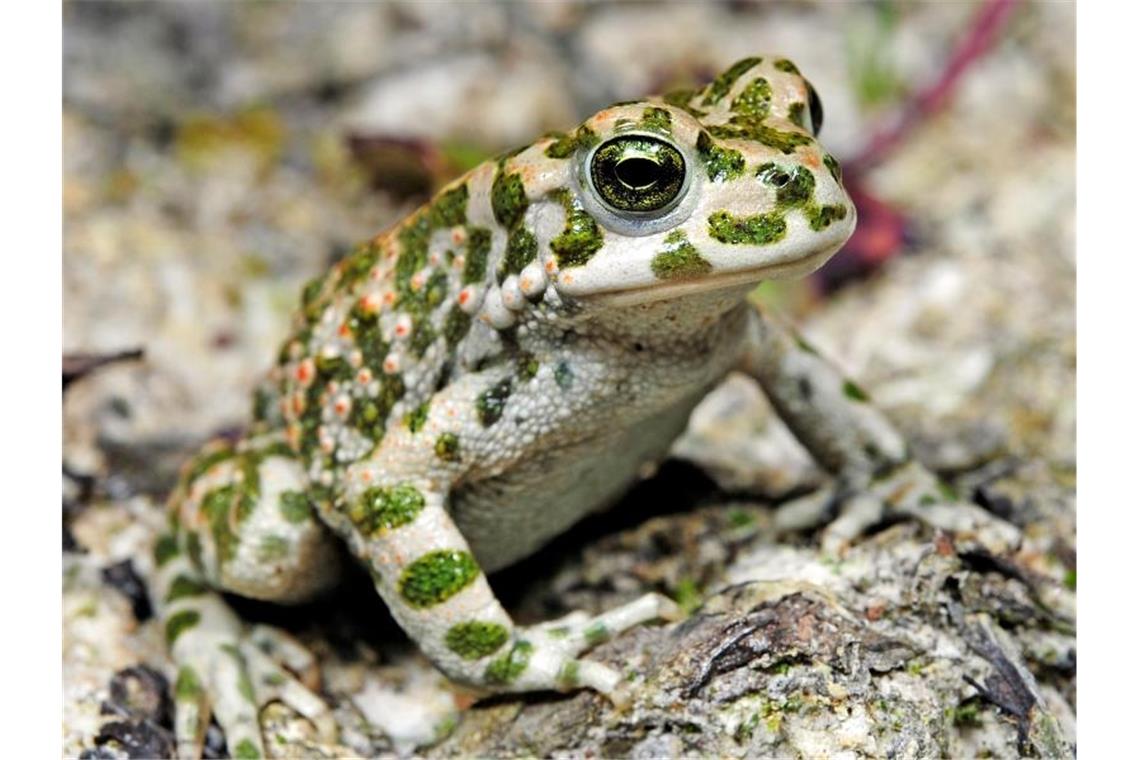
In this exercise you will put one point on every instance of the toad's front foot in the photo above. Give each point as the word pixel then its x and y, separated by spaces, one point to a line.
pixel 908 491
pixel 233 673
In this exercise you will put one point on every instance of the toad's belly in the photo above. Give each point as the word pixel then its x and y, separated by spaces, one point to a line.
pixel 513 515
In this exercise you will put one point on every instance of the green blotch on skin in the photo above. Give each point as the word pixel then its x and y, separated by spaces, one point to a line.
pixel 475 260
pixel 720 86
pixel 564 376
pixel 1070 580
pixel 794 189
pixel 783 64
pixel 796 114
pixel 180 622
pixel 245 686
pixel 447 447
pixel 294 506
pixel 739 128
pixel 833 167
pixel 681 99
pixel 583 137
pixel 380 509
pixel 558 632
pixel 720 163
pixel 437 576
pixel 423 334
pixel 449 208
pixel 522 248
pixel 354 269
pixel 679 260
pixel 246 750
pixel 187 687
pixel 273 548
pixel 204 463
pixel 194 549
pixel 657 120
pixel 854 392
pixel 413 239
pixel 455 326
pixel 490 403
pixel 804 345
pixel 527 365
pixel 165 549
pixel 418 416
pixel 216 506
pixel 508 198
pixel 761 229
pixel 510 666
pixel 820 217
pixel 568 674
pixel 754 100
pixel 580 239
pixel 183 586
pixel 596 634
pixel 475 639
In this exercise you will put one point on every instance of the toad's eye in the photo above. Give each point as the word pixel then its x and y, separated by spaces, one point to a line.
pixel 815 107
pixel 637 173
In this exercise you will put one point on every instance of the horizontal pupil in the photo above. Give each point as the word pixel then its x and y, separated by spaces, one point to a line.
pixel 638 173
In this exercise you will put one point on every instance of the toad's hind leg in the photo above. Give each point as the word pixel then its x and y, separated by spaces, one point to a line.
pixel 241 522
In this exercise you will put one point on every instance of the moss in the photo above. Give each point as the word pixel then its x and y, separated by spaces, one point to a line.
pixel 522 248
pixel 273 548
pixel 418 416
pixel 449 208
pixel 475 639
pixel 760 229
pixel 179 623
pixel 679 260
pixel 657 120
pixel 584 138
pixel 165 549
pixel 380 509
pixel 820 217
pixel 455 326
pixel 687 595
pixel 719 87
pixel 437 576
pixel 510 666
pixel 720 163
pixel 580 239
pixel 754 100
pixel 294 506
pixel 833 167
pixel 739 128
pixel 475 260
pixel 187 687
pixel 447 447
pixel 783 64
pixel 184 586
pixel 246 750
pixel 490 403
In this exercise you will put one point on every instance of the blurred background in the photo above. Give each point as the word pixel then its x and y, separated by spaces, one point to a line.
pixel 218 155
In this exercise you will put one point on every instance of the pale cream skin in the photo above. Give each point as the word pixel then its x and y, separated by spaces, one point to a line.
pixel 502 363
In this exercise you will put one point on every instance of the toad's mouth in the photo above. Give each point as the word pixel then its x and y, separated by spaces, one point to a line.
pixel 663 290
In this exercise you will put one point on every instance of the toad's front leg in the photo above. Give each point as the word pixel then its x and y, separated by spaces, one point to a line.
pixel 393 516
pixel 876 477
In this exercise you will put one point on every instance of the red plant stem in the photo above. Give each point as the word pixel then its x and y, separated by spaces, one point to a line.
pixel 987 23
